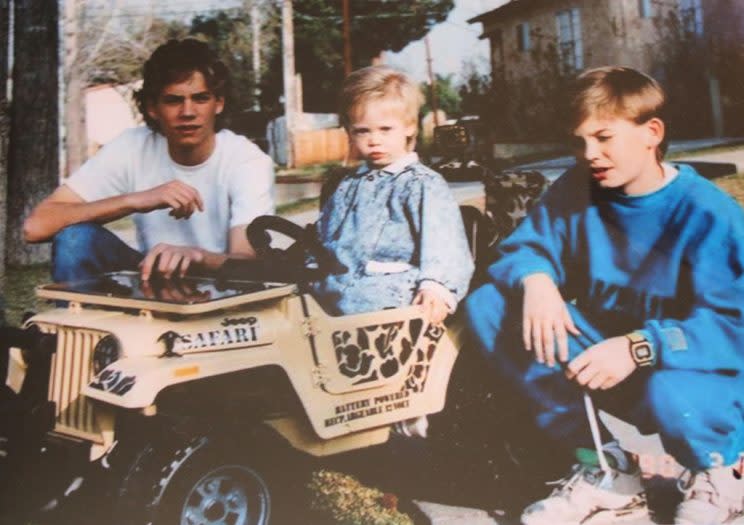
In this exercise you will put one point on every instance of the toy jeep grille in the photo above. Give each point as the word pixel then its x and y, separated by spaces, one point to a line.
pixel 71 370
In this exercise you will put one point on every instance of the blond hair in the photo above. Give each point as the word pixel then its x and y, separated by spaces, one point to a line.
pixel 380 83
pixel 617 92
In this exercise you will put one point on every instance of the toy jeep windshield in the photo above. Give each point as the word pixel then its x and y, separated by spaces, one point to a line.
pixel 161 382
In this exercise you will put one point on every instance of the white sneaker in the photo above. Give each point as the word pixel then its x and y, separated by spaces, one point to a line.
pixel 712 497
pixel 583 498
pixel 415 427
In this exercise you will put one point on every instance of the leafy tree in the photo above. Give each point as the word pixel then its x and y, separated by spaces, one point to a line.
pixel 116 55
pixel 376 26
pixel 113 52
pixel 520 108
pixel 448 96
pixel 231 36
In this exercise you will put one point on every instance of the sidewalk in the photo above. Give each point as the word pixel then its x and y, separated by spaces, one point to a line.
pixel 553 168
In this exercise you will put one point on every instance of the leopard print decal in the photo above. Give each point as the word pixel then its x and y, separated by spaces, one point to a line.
pixel 419 371
pixel 509 197
pixel 379 351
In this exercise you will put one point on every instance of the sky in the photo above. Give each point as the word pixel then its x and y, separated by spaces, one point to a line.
pixel 453 43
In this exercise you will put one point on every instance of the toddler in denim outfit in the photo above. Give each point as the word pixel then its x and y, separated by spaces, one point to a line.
pixel 394 222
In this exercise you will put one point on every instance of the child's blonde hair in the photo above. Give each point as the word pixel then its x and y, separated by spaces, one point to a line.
pixel 618 92
pixel 380 83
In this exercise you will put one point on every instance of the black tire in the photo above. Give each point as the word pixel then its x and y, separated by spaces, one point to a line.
pixel 182 480
pixel 209 488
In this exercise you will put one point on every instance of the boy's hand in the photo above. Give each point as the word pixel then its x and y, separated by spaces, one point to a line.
pixel 182 199
pixel 434 306
pixel 603 365
pixel 168 260
pixel 545 319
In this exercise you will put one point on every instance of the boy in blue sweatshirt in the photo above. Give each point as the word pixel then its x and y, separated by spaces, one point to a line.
pixel 626 281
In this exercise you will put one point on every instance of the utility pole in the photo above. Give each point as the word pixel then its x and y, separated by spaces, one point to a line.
pixel 290 83
pixel 347 38
pixel 256 37
pixel 432 83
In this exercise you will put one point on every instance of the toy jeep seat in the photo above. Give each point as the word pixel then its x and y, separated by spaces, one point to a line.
pixel 509 197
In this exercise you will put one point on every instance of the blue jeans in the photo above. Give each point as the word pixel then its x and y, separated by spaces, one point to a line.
pixel 82 251
pixel 698 415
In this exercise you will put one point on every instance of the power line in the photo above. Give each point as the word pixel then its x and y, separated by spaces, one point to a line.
pixel 160 14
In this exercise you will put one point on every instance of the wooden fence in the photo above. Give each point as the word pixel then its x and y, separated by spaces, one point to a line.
pixel 320 146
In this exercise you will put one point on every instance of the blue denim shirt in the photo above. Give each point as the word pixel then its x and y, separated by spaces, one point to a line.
pixel 394 228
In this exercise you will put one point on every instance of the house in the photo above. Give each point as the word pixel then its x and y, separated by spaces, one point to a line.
pixel 109 110
pixel 548 39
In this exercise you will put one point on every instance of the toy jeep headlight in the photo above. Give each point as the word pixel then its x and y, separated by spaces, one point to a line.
pixel 107 351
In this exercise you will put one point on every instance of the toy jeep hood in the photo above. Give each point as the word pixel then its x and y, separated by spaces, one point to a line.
pixel 189 295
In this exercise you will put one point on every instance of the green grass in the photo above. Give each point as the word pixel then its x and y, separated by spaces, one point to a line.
pixel 305 174
pixel 17 287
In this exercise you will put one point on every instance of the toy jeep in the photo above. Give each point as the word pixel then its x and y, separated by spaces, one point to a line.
pixel 460 151
pixel 163 382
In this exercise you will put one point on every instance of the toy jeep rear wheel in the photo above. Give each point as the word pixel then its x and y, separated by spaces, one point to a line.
pixel 176 480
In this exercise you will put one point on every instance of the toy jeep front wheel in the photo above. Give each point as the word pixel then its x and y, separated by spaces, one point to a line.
pixel 199 481
pixel 216 492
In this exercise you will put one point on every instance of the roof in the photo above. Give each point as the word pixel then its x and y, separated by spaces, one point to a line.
pixel 508 9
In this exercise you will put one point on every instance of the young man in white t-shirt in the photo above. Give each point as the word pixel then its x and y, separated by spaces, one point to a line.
pixel 191 189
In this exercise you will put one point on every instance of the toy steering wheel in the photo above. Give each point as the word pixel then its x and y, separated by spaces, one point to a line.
pixel 283 265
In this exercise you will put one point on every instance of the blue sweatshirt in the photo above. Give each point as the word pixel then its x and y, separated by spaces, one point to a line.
pixel 669 263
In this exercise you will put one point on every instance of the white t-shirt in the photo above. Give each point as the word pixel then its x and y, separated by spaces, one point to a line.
pixel 236 184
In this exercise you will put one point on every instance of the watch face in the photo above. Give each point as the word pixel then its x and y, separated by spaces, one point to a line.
pixel 642 353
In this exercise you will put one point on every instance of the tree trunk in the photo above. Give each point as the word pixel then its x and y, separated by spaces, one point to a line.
pixel 76 138
pixel 34 131
pixel 4 131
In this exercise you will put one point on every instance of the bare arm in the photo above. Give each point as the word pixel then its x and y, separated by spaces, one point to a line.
pixel 65 207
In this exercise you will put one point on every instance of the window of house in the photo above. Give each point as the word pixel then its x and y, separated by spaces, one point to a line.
pixel 497 51
pixel 523 36
pixel 570 46
pixel 691 12
pixel 644 8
